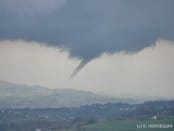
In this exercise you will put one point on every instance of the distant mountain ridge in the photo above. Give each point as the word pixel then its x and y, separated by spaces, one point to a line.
pixel 23 96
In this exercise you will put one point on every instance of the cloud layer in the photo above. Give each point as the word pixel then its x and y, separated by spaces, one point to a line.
pixel 31 7
pixel 148 73
pixel 88 28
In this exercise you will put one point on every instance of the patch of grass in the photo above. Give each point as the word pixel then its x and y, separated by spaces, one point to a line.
pixel 128 125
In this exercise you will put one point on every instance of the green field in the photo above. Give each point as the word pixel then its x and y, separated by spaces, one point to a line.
pixel 130 125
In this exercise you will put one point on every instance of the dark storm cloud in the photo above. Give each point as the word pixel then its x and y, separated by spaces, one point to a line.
pixel 87 28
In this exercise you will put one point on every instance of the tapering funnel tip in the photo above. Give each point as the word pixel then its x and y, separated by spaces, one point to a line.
pixel 79 67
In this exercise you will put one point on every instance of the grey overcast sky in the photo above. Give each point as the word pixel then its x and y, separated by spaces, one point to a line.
pixel 118 40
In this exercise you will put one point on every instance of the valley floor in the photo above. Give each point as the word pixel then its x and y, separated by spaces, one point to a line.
pixel 131 125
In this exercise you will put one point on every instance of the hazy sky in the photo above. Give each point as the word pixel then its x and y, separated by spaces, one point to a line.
pixel 123 46
pixel 148 72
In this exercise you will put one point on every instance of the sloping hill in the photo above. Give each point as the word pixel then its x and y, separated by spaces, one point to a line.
pixel 22 96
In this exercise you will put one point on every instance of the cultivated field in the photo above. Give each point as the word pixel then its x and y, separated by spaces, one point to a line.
pixel 129 125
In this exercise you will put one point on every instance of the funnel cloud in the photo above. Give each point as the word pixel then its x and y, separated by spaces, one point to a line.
pixel 89 28
pixel 79 67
